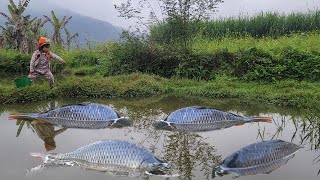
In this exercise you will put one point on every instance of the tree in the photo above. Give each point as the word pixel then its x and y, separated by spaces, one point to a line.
pixel 20 32
pixel 3 41
pixel 57 27
pixel 6 37
pixel 17 23
pixel 70 38
pixel 179 14
pixel 34 31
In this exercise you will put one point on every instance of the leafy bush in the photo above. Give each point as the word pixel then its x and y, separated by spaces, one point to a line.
pixel 138 55
pixel 13 62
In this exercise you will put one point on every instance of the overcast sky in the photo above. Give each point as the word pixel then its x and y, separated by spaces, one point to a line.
pixel 104 9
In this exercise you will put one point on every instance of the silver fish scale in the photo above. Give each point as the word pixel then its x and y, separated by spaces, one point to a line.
pixel 200 119
pixel 195 115
pixel 262 152
pixel 110 156
pixel 260 157
pixel 86 116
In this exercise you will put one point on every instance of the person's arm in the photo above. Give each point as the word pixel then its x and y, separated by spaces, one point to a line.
pixel 56 57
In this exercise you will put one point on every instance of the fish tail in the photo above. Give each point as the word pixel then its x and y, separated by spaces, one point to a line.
pixel 22 116
pixel 36 170
pixel 261 119
pixel 47 162
pixel 39 156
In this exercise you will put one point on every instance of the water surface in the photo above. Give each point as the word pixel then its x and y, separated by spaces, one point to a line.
pixel 193 155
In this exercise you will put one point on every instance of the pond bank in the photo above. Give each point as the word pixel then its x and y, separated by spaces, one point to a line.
pixel 299 95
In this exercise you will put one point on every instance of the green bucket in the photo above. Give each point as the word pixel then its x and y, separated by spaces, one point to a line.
pixel 22 82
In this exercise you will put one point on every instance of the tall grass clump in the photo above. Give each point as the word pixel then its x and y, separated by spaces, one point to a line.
pixel 270 24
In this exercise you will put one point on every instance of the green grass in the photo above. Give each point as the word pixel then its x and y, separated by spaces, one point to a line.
pixel 294 57
pixel 265 24
pixel 306 43
pixel 299 95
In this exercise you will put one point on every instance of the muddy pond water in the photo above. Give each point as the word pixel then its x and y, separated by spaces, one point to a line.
pixel 193 155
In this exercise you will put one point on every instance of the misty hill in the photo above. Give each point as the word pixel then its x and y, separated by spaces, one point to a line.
pixel 87 27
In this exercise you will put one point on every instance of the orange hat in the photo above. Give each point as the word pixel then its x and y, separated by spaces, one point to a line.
pixel 43 41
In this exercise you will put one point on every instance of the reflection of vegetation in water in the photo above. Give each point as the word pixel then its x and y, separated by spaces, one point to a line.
pixel 189 151
pixel 310 133
pixel 186 152
pixel 307 130
pixel 145 111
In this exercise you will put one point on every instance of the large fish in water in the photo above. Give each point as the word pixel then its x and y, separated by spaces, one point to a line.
pixel 118 158
pixel 87 115
pixel 197 119
pixel 259 158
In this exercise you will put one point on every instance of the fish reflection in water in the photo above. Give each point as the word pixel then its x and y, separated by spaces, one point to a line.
pixel 196 119
pixel 259 158
pixel 86 116
pixel 118 158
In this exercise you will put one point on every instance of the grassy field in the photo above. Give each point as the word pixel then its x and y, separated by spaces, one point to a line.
pixel 294 57
pixel 265 24
pixel 305 42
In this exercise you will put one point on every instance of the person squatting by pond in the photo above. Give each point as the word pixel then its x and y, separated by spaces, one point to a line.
pixel 40 61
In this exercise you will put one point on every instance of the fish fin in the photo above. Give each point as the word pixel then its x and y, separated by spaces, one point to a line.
pixel 39 156
pixel 134 174
pixel 237 115
pixel 236 176
pixel 79 104
pixel 172 125
pixel 270 171
pixel 241 115
pixel 118 115
pixel 161 174
pixel 240 124
pixel 120 173
pixel 121 122
pixel 36 170
pixel 262 119
pixel 41 168
pixel 198 107
pixel 289 159
pixel 67 105
pixel 21 116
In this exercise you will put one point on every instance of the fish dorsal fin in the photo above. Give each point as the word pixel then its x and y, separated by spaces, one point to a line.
pixel 67 105
pixel 217 109
pixel 237 115
pixel 198 107
pixel 80 104
pixel 241 115
pixel 201 107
